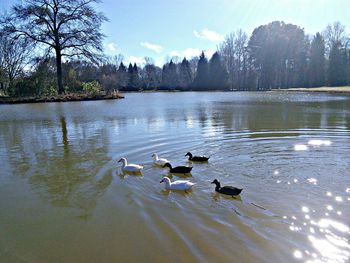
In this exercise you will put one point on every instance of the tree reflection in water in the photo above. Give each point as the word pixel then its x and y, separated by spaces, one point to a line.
pixel 64 173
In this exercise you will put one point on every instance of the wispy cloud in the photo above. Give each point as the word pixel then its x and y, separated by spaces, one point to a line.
pixel 208 35
pixel 156 48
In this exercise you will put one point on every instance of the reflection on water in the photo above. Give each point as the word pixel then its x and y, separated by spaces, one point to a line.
pixel 66 199
pixel 300 147
pixel 319 142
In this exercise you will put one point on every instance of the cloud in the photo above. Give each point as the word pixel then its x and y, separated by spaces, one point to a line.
pixel 159 62
pixel 210 52
pixel 192 52
pixel 156 48
pixel 208 35
pixel 111 48
pixel 140 61
pixel 175 53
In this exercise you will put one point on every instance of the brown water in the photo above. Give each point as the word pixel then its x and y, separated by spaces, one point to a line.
pixel 63 199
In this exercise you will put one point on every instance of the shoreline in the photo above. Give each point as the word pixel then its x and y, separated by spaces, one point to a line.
pixel 90 97
pixel 60 98
pixel 343 89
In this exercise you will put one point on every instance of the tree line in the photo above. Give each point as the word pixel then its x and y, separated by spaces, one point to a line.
pixel 50 47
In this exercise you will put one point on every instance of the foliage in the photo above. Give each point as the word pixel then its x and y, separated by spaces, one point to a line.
pixel 93 88
pixel 317 61
pixel 14 57
pixel 201 79
pixel 67 27
pixel 337 66
pixel 217 74
pixel 185 74
pixel 276 55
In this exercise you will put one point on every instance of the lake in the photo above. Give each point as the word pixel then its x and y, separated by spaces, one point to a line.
pixel 64 199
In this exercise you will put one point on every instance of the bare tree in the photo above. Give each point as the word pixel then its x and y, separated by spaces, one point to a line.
pixel 333 34
pixel 241 58
pixel 117 59
pixel 227 52
pixel 14 57
pixel 67 27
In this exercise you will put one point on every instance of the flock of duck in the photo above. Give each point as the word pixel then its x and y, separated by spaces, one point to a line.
pixel 179 184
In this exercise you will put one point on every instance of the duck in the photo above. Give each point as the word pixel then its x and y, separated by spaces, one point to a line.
pixel 130 167
pixel 177 185
pixel 178 169
pixel 196 158
pixel 159 161
pixel 226 190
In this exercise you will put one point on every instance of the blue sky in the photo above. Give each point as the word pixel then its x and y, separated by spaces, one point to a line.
pixel 163 28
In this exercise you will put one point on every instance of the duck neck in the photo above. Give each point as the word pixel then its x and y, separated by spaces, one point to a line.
pixel 124 162
pixel 167 182
pixel 155 157
pixel 190 156
pixel 217 187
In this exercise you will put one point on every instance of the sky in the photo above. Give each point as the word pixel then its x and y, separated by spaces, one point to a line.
pixel 162 29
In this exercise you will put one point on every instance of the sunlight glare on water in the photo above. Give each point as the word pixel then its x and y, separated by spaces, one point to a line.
pixel 64 199
pixel 319 142
pixel 300 147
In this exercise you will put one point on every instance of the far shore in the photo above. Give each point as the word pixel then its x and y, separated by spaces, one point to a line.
pixel 60 98
pixel 345 89
pixel 117 95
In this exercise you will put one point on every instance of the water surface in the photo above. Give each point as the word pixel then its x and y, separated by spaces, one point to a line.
pixel 63 199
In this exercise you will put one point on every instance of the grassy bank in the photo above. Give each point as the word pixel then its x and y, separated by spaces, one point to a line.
pixel 345 89
pixel 60 98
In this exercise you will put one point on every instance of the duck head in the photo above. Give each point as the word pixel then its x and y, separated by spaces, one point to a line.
pixel 189 154
pixel 124 161
pixel 216 182
pixel 167 165
pixel 166 180
pixel 155 156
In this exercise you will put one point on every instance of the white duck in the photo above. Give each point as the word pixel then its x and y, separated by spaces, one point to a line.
pixel 159 161
pixel 130 167
pixel 177 185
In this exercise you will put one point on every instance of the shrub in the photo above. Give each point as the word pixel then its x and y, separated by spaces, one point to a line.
pixel 92 87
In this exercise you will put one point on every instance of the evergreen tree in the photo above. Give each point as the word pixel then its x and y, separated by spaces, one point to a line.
pixel 130 85
pixel 201 79
pixel 185 75
pixel 122 76
pixel 301 64
pixel 169 76
pixel 276 50
pixel 317 61
pixel 217 74
pixel 337 66
pixel 136 78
